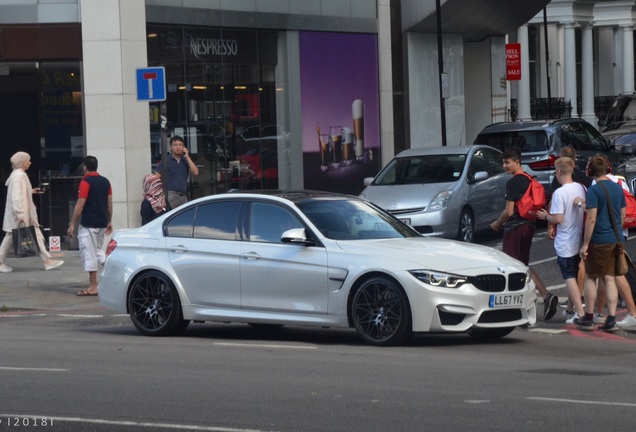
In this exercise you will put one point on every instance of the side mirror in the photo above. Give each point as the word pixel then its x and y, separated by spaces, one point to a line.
pixel 602 122
pixel 367 181
pixel 480 176
pixel 296 236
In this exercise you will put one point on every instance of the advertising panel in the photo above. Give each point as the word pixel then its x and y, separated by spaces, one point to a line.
pixel 340 110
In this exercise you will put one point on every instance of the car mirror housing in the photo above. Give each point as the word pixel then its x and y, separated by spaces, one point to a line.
pixel 367 181
pixel 296 236
pixel 480 176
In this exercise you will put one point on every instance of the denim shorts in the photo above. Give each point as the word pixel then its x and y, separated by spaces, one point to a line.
pixel 569 266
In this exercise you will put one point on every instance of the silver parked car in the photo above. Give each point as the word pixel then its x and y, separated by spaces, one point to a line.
pixel 447 192
pixel 309 258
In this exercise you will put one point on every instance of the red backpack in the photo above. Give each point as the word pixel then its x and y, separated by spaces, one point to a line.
pixel 533 200
pixel 630 209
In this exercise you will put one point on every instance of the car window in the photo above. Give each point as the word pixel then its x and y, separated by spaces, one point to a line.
pixel 217 220
pixel 181 224
pixel 527 141
pixel 433 168
pixel 583 137
pixel 268 222
pixel 495 162
pixel 353 220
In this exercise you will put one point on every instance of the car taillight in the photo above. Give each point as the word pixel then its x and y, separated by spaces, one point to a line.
pixel 111 247
pixel 543 165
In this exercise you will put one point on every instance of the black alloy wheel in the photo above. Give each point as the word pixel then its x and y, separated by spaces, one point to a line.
pixel 154 305
pixel 380 312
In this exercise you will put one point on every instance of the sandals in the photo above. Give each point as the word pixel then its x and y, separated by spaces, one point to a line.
pixel 86 293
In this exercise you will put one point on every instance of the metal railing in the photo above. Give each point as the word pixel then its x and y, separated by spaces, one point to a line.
pixel 541 109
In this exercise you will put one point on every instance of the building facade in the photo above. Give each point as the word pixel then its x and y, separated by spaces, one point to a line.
pixel 268 94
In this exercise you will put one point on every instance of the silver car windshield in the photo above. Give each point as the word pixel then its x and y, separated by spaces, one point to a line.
pixel 343 219
pixel 422 169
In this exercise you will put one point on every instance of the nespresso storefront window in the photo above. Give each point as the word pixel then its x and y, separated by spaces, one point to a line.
pixel 221 97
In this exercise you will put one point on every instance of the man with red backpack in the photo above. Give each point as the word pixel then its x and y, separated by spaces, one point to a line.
pixel 518 230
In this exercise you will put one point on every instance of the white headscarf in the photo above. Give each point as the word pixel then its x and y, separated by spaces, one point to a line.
pixel 19 159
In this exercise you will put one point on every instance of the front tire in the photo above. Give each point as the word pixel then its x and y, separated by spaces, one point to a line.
pixel 380 312
pixel 154 305
pixel 466 230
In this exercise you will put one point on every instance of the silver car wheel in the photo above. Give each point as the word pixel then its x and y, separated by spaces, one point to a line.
pixel 466 226
pixel 154 306
pixel 380 312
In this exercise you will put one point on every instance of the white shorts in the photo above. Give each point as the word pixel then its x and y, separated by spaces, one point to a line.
pixel 91 242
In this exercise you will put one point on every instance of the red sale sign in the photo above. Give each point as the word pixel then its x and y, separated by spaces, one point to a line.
pixel 513 62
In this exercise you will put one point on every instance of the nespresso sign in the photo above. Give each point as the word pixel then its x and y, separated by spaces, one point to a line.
pixel 167 43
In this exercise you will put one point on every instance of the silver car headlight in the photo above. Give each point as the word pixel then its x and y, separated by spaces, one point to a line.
pixel 528 278
pixel 440 202
pixel 439 279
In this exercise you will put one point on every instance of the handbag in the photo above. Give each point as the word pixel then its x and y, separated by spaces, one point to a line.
pixel 619 251
pixel 25 241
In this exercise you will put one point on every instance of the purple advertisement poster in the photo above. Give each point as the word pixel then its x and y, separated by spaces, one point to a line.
pixel 340 114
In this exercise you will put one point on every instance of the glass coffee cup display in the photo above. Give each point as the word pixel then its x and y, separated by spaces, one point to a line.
pixel 335 145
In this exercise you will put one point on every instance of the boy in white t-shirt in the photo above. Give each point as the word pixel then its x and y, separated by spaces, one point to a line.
pixel 568 217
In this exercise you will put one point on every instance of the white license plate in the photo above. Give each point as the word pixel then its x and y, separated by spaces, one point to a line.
pixel 406 221
pixel 505 300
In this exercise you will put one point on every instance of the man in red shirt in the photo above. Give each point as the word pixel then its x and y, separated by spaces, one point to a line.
pixel 95 207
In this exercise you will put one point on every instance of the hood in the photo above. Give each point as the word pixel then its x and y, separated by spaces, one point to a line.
pixel 405 196
pixel 432 253
pixel 620 128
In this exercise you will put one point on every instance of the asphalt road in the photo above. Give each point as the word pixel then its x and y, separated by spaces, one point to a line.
pixel 90 370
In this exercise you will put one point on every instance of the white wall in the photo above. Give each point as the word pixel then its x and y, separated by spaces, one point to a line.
pixel 424 103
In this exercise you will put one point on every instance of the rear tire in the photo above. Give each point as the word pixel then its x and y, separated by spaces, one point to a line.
pixel 154 305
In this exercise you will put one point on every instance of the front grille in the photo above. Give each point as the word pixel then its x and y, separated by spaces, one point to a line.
pixel 516 281
pixel 500 316
pixel 448 318
pixel 406 211
pixel 489 283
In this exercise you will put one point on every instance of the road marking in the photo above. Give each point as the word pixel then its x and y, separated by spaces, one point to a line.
pixel 132 423
pixel 80 316
pixel 547 330
pixel 245 345
pixel 20 314
pixel 33 369
pixel 583 402
pixel 477 401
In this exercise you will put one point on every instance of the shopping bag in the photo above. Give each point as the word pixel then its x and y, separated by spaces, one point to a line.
pixel 25 241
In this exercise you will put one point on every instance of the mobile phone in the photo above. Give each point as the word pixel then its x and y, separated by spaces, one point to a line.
pixel 43 187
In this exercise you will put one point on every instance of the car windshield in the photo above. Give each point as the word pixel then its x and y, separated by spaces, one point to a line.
pixel 527 141
pixel 342 219
pixel 438 168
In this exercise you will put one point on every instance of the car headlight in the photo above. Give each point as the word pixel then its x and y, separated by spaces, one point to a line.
pixel 528 278
pixel 439 279
pixel 440 202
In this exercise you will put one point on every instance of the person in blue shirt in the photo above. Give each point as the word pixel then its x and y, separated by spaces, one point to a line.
pixel 179 167
pixel 599 249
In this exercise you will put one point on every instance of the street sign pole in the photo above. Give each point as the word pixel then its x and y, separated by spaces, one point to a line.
pixel 163 116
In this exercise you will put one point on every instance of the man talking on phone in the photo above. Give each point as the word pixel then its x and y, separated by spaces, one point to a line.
pixel 178 168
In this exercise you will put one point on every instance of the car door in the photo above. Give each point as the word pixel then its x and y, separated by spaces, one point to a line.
pixel 278 276
pixel 487 196
pixel 202 243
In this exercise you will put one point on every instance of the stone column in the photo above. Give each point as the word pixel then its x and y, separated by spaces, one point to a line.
pixel 588 75
pixel 117 125
pixel 628 57
pixel 523 89
pixel 569 68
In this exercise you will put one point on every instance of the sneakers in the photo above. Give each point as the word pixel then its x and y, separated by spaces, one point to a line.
pixel 628 322
pixel 51 264
pixel 550 306
pixel 583 324
pixel 5 268
pixel 609 327
pixel 598 318
pixel 571 316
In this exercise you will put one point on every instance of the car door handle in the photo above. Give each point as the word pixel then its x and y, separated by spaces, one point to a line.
pixel 178 249
pixel 251 256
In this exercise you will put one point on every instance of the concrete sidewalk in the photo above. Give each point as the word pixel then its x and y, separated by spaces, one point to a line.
pixel 29 287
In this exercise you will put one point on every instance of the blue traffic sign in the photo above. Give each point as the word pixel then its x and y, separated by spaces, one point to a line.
pixel 151 84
